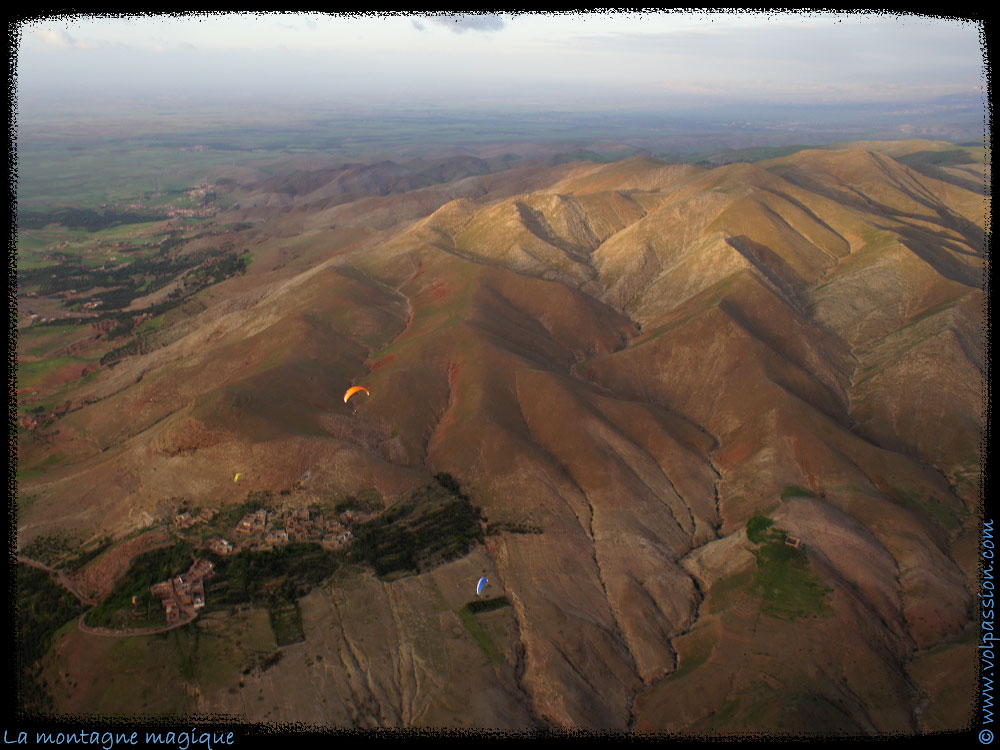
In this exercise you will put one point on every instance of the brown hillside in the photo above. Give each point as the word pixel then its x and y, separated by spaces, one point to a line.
pixel 621 364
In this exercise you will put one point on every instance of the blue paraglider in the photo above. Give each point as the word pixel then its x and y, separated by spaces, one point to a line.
pixel 481 585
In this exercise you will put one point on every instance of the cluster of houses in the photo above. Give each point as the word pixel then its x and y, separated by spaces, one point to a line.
pixel 254 522
pixel 184 594
pixel 221 546
pixel 186 520
pixel 331 533
pixel 299 525
pixel 31 422
pixel 103 325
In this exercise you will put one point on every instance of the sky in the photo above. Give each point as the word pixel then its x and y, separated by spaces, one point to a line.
pixel 572 60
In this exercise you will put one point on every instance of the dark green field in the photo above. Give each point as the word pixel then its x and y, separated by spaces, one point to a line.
pixel 784 580
pixel 436 524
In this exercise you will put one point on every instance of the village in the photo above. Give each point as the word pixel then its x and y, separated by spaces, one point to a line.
pixel 184 595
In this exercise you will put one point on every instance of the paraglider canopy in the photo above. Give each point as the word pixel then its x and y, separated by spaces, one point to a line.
pixel 238 475
pixel 354 389
pixel 481 585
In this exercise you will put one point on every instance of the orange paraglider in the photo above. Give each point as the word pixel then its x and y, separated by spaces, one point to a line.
pixel 354 389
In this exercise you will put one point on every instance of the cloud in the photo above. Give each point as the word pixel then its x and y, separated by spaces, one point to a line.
pixel 479 22
pixel 55 38
pixel 61 39
pixel 419 26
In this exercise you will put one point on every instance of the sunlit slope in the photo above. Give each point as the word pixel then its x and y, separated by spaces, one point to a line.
pixel 864 247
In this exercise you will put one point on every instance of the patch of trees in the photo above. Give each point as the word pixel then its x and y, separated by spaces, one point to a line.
pixel 138 278
pixel 86 219
pixel 43 606
pixel 146 569
pixel 163 270
pixel 138 345
pixel 512 527
pixel 366 501
pixel 436 524
pixel 270 577
pixel 71 274
pixel 212 273
pixel 171 241
pixel 48 549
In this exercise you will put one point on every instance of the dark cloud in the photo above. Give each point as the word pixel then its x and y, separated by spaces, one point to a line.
pixel 478 22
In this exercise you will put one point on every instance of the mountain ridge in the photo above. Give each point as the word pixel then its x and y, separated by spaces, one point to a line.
pixel 636 357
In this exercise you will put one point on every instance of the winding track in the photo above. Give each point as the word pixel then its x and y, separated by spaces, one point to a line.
pixel 107 632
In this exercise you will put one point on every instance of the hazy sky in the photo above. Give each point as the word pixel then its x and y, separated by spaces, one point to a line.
pixel 562 60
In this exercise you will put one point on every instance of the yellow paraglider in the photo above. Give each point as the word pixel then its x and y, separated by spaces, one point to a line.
pixel 238 475
pixel 354 389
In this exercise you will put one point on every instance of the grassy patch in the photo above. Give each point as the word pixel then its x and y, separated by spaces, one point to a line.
pixel 227 518
pixel 185 641
pixel 788 586
pixel 142 675
pixel 793 490
pixel 936 508
pixel 479 635
pixel 721 593
pixel 43 607
pixel 697 648
pixel 783 578
pixel 286 621
pixel 38 341
pixel 31 373
pixel 487 605
pixel 721 718
pixel 80 218
pixel 757 528
pixel 153 324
